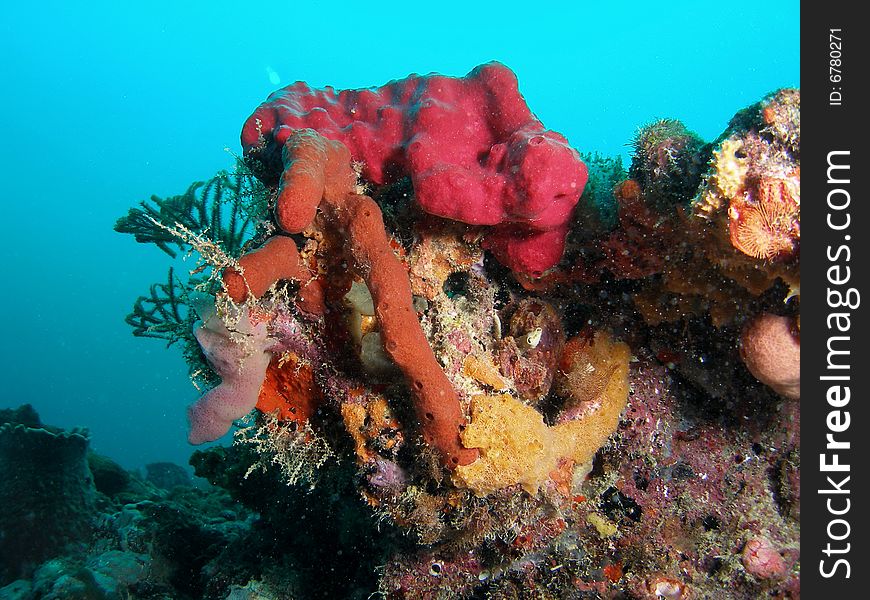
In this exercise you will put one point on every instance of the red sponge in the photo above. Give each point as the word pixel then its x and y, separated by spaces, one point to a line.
pixel 473 150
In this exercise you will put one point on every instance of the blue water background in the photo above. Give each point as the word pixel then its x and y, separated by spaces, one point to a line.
pixel 106 103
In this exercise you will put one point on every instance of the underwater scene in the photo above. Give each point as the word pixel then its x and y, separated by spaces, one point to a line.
pixel 401 302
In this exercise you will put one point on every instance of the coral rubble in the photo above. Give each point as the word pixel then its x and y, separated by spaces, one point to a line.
pixel 492 382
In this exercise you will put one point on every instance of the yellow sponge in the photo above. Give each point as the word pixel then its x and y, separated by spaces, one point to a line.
pixel 515 444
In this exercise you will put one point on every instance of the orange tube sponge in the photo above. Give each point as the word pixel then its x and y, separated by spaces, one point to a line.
pixel 770 347
pixel 302 183
pixel 316 167
pixel 435 400
pixel 277 259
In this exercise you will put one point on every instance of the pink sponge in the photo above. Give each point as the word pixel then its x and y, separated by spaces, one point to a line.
pixel 473 149
pixel 240 357
pixel 770 346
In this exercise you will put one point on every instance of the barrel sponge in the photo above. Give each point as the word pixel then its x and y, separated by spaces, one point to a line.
pixel 517 447
pixel 47 494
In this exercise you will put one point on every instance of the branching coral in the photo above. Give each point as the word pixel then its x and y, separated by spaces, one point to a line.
pixel 163 313
pixel 227 207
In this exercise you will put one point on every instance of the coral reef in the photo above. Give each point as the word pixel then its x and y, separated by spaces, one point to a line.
pixel 453 366
pixel 165 475
pixel 706 228
pixel 77 526
pixel 319 173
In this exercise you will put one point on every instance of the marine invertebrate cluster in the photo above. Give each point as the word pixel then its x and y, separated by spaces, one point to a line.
pixel 750 198
pixel 470 395
pixel 706 229
pixel 444 250
pixel 319 173
pixel 213 219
